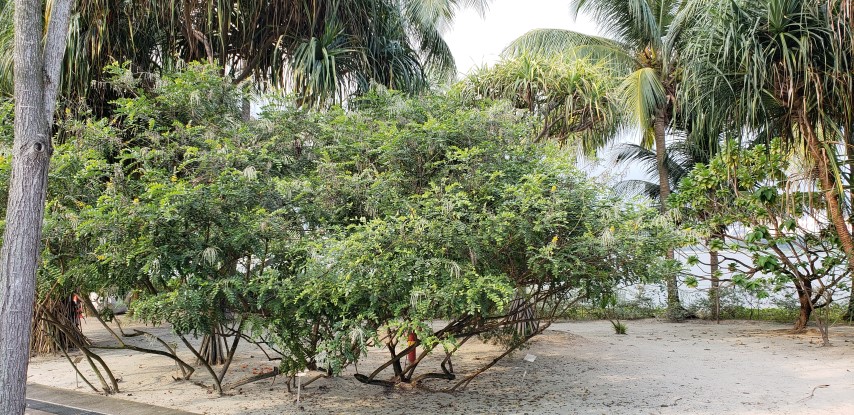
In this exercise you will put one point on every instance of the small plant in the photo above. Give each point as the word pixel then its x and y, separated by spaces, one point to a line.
pixel 619 328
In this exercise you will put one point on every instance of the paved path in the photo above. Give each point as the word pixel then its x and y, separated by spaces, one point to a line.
pixel 46 400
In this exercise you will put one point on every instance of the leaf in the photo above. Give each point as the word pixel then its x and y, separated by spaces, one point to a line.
pixel 691 281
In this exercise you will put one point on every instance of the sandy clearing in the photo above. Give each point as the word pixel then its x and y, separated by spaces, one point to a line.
pixel 581 368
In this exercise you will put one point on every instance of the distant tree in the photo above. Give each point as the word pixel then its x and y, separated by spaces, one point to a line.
pixel 681 158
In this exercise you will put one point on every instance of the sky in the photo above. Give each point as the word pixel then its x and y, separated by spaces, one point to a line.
pixel 476 40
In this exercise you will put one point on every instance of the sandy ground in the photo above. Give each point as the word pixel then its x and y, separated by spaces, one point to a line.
pixel 580 368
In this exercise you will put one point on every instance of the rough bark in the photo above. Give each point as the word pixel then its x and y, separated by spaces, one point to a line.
pixel 31 153
pixel 804 289
pixel 54 53
pixel 660 129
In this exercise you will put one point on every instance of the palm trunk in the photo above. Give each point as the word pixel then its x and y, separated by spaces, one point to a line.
pixel 660 128
pixel 35 92
pixel 829 188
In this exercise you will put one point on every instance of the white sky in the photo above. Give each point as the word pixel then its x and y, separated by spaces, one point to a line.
pixel 476 40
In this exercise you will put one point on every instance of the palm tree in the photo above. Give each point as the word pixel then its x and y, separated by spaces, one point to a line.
pixel 643 44
pixel 784 66
pixel 681 157
pixel 322 49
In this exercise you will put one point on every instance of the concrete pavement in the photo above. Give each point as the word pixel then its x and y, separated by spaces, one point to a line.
pixel 44 400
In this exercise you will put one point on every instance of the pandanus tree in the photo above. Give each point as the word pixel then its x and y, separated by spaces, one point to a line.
pixel 783 66
pixel 570 98
pixel 323 50
pixel 643 43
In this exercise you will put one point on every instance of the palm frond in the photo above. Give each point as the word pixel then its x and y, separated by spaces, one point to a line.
pixel 387 42
pixel 550 42
pixel 643 95
pixel 634 187
pixel 640 23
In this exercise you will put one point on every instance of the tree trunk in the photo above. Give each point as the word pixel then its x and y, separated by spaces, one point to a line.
pixel 246 110
pixel 660 128
pixel 849 151
pixel 31 153
pixel 804 289
pixel 714 291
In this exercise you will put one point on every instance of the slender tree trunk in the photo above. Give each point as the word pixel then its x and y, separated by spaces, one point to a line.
pixel 829 188
pixel 246 110
pixel 714 291
pixel 660 128
pixel 27 189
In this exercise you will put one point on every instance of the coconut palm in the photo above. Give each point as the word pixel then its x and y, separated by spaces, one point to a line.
pixel 643 43
pixel 785 66
pixel 681 157
pixel 323 50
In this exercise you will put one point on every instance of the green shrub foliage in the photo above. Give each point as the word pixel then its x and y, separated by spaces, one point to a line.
pixel 326 233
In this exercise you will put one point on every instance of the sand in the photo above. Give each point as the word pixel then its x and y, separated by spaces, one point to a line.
pixel 696 367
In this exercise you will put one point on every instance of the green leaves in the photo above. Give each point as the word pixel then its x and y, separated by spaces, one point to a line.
pixel 325 231
pixel 758 234
pixel 767 263
pixel 769 236
pixel 574 99
pixel 767 194
pixel 643 95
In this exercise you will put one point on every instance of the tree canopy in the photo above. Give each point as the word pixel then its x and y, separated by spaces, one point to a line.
pixel 323 234
pixel 321 50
